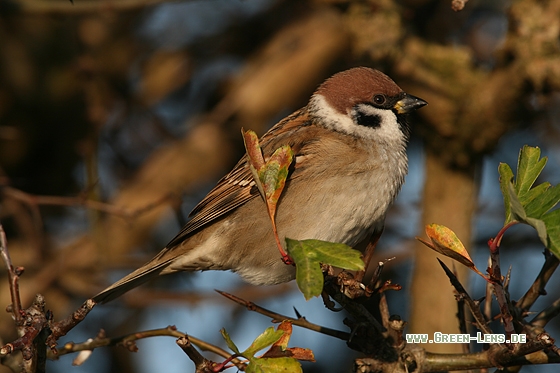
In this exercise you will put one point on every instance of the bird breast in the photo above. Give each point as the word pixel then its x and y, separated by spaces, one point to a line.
pixel 342 199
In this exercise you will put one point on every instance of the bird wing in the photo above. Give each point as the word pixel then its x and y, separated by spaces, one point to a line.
pixel 232 191
pixel 238 186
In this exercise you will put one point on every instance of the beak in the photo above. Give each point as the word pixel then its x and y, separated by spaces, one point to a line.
pixel 409 103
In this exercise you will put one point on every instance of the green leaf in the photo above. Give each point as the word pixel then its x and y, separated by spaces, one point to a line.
pixel 269 177
pixel 309 277
pixel 506 178
pixel 535 192
pixel 267 338
pixel 274 365
pixel 532 206
pixel 542 203
pixel 529 167
pixel 552 222
pixel 335 254
pixel 540 227
pixel 273 177
pixel 517 211
pixel 275 172
pixel 308 256
pixel 229 342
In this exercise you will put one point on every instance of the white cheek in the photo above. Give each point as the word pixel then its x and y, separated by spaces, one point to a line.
pixel 388 130
pixel 331 118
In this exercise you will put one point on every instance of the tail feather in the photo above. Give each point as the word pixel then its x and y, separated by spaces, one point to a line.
pixel 129 282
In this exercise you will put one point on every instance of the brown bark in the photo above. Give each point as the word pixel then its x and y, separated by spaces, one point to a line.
pixel 451 196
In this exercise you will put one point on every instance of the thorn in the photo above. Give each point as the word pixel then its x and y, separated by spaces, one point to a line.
pixel 298 315
pixel 223 293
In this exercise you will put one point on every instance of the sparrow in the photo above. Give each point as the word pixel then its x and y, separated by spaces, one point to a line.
pixel 350 162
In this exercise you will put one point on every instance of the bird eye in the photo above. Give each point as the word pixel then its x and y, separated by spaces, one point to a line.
pixel 379 99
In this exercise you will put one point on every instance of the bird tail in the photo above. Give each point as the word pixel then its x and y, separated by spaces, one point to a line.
pixel 146 272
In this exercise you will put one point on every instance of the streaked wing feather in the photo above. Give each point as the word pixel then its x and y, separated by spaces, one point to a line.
pixel 238 186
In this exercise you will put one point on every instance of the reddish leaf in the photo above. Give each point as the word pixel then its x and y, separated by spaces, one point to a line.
pixel 445 241
pixel 270 177
pixel 280 347
pixel 253 148
pixel 255 157
pixel 274 174
pixel 286 326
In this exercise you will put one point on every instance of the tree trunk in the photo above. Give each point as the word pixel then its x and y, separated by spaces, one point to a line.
pixel 449 199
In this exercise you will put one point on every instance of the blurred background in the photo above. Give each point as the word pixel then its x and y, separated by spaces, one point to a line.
pixel 116 117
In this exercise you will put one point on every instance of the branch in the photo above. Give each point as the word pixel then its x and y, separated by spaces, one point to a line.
pixel 128 341
pixel 498 355
pixel 537 289
pixel 301 321
pixel 201 364
pixel 31 324
pixel 479 360
pixel 35 200
pixel 13 277
pixel 60 328
pixel 497 281
pixel 546 315
pixel 464 296
pixel 368 254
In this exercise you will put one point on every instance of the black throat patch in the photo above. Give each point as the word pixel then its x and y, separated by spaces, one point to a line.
pixel 367 120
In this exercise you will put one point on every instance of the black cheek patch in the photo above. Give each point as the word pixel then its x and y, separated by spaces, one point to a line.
pixel 372 121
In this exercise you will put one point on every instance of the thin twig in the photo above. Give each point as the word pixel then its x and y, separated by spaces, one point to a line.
pixel 546 315
pixel 201 364
pixel 205 346
pixel 394 325
pixel 60 328
pixel 372 286
pixel 461 315
pixel 12 277
pixel 537 288
pixel 384 311
pixel 368 254
pixel 35 200
pixel 497 281
pixel 463 295
pixel 128 341
pixel 302 322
